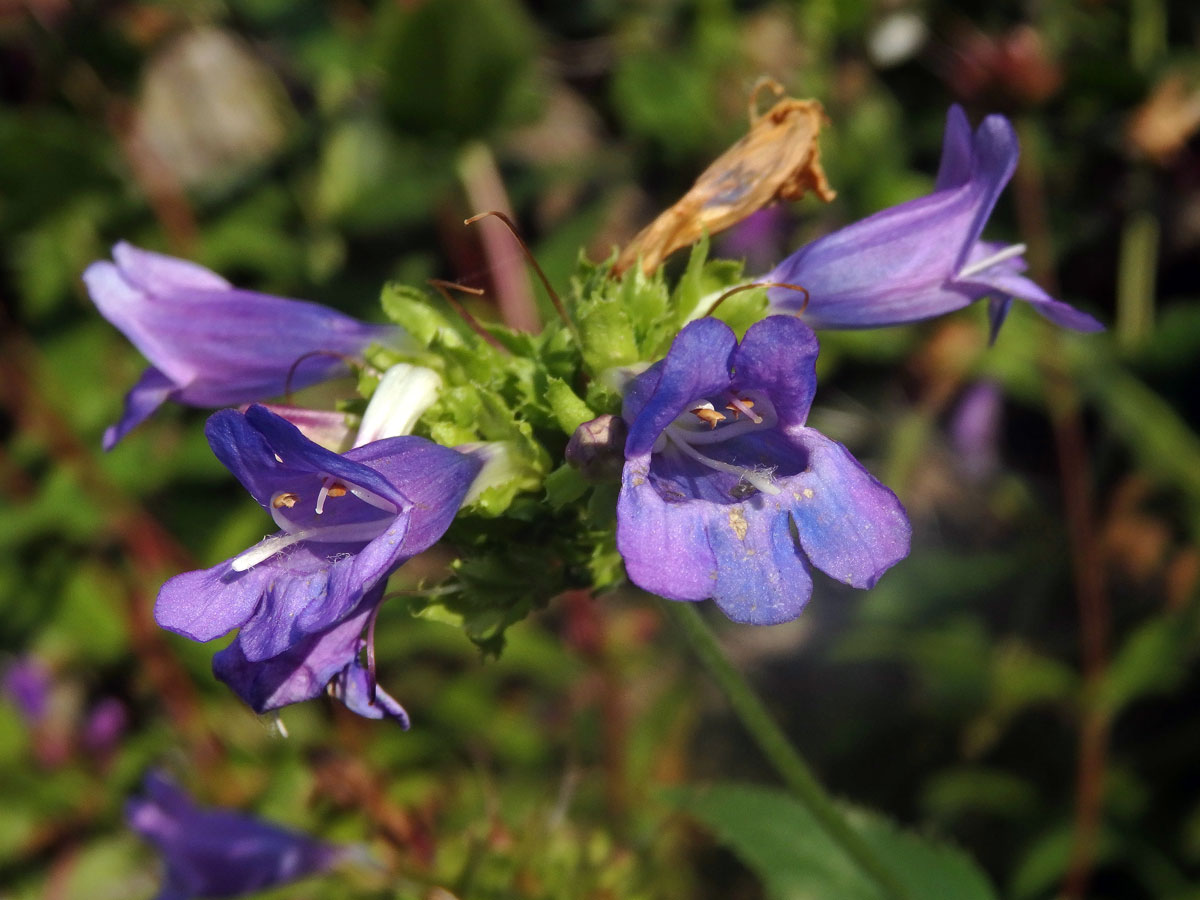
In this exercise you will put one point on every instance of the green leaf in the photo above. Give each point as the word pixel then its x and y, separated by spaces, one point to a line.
pixel 564 486
pixel 607 335
pixel 411 309
pixel 458 68
pixel 779 840
pixel 1151 660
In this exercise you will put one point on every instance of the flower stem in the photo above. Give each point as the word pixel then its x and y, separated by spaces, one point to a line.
pixel 788 763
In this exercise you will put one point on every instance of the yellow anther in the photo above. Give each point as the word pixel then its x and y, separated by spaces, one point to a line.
pixel 285 501
pixel 709 416
pixel 337 489
pixel 743 405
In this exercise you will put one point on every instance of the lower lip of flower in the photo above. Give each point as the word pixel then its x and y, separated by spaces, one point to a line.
pixel 294 532
pixel 703 423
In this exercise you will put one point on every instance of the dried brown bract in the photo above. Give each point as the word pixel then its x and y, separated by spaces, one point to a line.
pixel 778 159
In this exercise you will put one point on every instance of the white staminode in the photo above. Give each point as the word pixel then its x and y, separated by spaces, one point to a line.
pixel 294 533
pixel 403 395
pixel 688 430
pixel 998 257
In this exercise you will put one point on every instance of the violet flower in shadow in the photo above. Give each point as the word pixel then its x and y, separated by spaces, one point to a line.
pixel 217 852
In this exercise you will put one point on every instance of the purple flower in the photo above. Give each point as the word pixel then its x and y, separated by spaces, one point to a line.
pixel 302 596
pixel 104 726
pixel 27 684
pixel 975 430
pixel 326 660
pixel 218 853
pixel 210 344
pixel 924 258
pixel 725 492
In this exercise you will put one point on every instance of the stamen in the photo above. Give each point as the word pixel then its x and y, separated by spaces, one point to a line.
pixel 337 489
pixel 373 499
pixel 1007 253
pixel 294 533
pixel 759 480
pixel 743 405
pixel 351 532
pixel 372 683
pixel 709 416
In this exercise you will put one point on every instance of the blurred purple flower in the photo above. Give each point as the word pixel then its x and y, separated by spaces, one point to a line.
pixel 758 238
pixel 219 853
pixel 211 344
pixel 924 258
pixel 27 684
pixel 302 596
pixel 104 726
pixel 725 492
pixel 975 429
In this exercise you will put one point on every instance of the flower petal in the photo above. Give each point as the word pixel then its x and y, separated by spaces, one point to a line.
pixel 664 545
pixel 955 167
pixel 152 391
pixel 353 687
pixel 779 356
pixel 1010 284
pixel 220 853
pixel 850 526
pixel 299 673
pixel 129 309
pixel 207 603
pixel 697 365
pixel 157 273
pixel 221 346
pixel 761 579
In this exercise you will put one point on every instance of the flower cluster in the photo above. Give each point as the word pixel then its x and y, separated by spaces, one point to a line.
pixel 725 492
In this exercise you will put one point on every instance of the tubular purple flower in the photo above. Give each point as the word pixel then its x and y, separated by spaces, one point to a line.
pixel 211 344
pixel 220 853
pixel 924 258
pixel 727 494
pixel 302 596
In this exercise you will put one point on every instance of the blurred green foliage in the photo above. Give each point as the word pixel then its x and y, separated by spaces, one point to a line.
pixel 323 150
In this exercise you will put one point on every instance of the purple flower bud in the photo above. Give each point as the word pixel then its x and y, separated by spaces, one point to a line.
pixel 596 448
pixel 211 344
